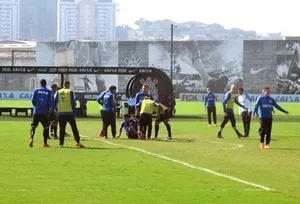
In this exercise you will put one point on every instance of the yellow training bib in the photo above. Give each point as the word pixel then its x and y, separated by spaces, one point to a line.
pixel 64 101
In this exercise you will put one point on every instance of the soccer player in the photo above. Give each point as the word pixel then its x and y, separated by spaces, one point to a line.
pixel 131 105
pixel 141 95
pixel 64 101
pixel 163 115
pixel 210 106
pixel 246 114
pixel 130 125
pixel 41 101
pixel 228 105
pixel 108 112
pixel 54 116
pixel 266 103
pixel 262 94
pixel 171 105
pixel 100 101
pixel 83 105
pixel 146 108
pixel 118 105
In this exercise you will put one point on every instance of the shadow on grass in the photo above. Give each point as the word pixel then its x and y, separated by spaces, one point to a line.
pixel 161 139
pixel 91 148
pixel 286 148
pixel 178 140
pixel 258 138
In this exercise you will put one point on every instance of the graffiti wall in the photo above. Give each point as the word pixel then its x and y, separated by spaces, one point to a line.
pixel 131 54
pixel 80 54
pixel 272 63
pixel 287 67
pixel 197 64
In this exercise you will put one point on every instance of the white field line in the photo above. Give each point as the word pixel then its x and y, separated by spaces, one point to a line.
pixel 189 165
pixel 99 190
pixel 236 146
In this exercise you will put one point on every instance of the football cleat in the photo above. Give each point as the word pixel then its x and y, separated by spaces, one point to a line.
pixel 101 135
pixel 31 143
pixel 262 146
pixel 46 146
pixel 79 145
pixel 219 135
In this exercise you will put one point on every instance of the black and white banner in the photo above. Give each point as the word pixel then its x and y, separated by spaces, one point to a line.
pixel 76 70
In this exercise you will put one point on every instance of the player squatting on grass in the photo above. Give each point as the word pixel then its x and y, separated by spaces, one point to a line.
pixel 146 109
pixel 131 124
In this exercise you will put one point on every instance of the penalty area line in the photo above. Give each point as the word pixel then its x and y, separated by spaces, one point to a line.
pixel 190 166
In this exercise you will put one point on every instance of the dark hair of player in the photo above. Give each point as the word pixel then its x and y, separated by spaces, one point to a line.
pixel 43 82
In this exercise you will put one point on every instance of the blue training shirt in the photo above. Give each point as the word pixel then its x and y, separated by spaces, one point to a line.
pixel 100 97
pixel 210 100
pixel 266 104
pixel 41 101
pixel 140 96
pixel 126 126
pixel 107 100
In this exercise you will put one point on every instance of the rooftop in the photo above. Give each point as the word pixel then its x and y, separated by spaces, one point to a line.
pixel 9 45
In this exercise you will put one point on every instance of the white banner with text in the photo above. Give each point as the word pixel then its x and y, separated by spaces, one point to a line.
pixel 190 97
pixel 15 95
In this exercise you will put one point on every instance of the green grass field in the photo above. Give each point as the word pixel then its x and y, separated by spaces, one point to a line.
pixel 183 108
pixel 112 171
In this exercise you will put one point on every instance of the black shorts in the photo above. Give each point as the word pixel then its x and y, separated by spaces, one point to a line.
pixel 266 125
pixel 108 117
pixel 162 117
pixel 41 118
pixel 53 118
pixel 229 117
pixel 145 119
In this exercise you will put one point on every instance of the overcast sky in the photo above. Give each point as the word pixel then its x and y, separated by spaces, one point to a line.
pixel 262 16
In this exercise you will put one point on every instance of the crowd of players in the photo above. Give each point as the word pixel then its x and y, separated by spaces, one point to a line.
pixel 138 121
pixel 58 107
pixel 264 105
